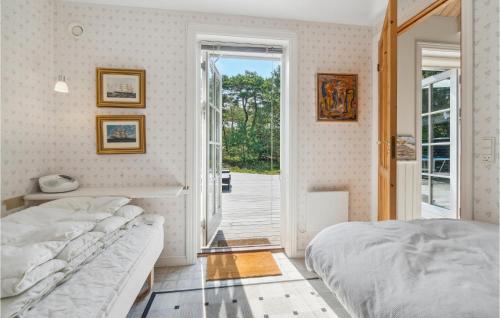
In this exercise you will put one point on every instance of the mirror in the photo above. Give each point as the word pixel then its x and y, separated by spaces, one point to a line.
pixel 428 107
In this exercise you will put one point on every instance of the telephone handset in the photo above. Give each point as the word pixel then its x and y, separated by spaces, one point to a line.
pixel 57 183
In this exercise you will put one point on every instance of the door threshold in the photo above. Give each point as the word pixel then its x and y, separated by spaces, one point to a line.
pixel 241 249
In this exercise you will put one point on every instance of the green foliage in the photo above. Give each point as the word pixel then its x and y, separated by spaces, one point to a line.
pixel 251 122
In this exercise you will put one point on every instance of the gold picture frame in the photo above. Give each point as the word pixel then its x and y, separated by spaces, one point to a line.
pixel 122 88
pixel 121 134
pixel 337 97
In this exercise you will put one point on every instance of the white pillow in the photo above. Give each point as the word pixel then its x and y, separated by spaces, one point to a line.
pixel 110 224
pixel 129 211
pixel 88 204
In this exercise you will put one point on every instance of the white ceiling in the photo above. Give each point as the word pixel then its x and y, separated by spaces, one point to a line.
pixel 360 12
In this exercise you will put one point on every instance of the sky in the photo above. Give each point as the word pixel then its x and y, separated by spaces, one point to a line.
pixel 233 66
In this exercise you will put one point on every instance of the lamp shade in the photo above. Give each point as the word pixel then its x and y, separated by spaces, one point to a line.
pixel 61 85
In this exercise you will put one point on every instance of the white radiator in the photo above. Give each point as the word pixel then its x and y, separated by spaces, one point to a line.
pixel 408 190
pixel 325 208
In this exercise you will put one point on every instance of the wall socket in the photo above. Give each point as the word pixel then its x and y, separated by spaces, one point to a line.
pixel 487 149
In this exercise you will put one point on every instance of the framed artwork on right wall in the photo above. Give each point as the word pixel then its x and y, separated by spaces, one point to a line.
pixel 337 97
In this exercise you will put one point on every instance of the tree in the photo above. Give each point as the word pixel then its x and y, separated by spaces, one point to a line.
pixel 251 121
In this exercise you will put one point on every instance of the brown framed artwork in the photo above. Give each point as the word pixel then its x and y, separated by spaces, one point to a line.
pixel 337 97
pixel 124 88
pixel 121 134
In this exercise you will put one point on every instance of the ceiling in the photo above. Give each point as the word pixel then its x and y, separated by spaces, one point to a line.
pixel 452 9
pixel 360 12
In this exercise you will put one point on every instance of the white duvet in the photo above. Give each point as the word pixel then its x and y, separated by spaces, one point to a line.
pixel 43 245
pixel 422 268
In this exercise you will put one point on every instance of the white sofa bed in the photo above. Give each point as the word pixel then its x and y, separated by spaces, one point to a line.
pixel 108 282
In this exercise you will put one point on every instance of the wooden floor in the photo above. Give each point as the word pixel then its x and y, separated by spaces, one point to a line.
pixel 251 208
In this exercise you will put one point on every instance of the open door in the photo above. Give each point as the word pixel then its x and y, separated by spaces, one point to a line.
pixel 387 65
pixel 213 141
pixel 440 142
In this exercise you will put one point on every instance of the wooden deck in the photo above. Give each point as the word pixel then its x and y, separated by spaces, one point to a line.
pixel 251 209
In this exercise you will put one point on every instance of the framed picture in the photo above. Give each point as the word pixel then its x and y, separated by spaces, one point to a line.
pixel 121 88
pixel 406 148
pixel 121 134
pixel 337 97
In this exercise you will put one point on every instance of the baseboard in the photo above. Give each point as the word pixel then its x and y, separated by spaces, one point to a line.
pixel 171 261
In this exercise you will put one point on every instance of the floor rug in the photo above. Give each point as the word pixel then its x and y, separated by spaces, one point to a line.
pixel 241 242
pixel 241 265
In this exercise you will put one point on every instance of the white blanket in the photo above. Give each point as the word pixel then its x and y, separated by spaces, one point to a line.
pixel 422 268
pixel 91 291
pixel 70 234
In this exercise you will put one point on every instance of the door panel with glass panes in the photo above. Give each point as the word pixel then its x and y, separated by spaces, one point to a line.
pixel 439 140
pixel 213 124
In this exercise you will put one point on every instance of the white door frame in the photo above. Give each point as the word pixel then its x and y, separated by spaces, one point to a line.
pixel 466 178
pixel 223 33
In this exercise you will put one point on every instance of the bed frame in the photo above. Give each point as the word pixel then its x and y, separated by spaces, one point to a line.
pixel 142 271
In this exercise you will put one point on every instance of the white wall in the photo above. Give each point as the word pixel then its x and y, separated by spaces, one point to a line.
pixel 331 155
pixel 486 107
pixel 434 29
pixel 27 78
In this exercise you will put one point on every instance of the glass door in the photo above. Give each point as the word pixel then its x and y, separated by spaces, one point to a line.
pixel 439 145
pixel 213 118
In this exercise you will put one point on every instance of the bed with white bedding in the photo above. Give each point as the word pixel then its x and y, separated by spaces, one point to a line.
pixel 77 257
pixel 422 268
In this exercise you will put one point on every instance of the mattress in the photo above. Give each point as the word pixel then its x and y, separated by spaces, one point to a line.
pixel 422 268
pixel 102 288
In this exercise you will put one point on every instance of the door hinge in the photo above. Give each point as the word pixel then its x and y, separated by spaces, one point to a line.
pixel 378 67
pixel 203 224
pixel 460 113
pixel 204 65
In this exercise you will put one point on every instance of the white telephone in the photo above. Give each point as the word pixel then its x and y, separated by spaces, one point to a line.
pixel 57 183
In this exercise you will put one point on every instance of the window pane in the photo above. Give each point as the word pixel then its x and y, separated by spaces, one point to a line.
pixel 217 126
pixel 441 127
pixel 211 92
pixel 441 95
pixel 425 100
pixel 441 159
pixel 429 73
pixel 425 159
pixel 210 181
pixel 425 189
pixel 211 123
pixel 441 192
pixel 425 129
pixel 217 92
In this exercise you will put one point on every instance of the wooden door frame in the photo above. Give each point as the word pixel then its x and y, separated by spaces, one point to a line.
pixel 387 49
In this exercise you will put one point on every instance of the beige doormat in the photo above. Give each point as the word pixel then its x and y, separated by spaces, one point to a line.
pixel 241 265
pixel 241 242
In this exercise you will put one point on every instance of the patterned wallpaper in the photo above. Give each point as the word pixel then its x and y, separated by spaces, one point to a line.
pixel 331 155
pixel 27 79
pixel 486 106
